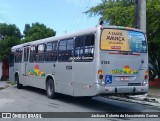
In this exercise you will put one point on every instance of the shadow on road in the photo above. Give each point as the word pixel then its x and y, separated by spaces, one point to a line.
pixel 96 104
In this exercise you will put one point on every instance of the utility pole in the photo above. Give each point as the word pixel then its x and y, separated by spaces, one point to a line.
pixel 140 14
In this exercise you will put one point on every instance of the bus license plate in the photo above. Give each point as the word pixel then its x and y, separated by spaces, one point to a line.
pixel 124 78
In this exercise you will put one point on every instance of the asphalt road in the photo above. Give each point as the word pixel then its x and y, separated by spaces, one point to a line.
pixel 35 100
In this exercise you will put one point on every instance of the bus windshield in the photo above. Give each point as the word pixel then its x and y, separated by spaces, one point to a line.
pixel 123 40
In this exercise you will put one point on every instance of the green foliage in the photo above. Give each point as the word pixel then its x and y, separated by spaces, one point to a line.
pixel 9 36
pixel 9 30
pixel 37 31
pixel 118 13
pixel 121 13
pixel 153 33
pixel 26 29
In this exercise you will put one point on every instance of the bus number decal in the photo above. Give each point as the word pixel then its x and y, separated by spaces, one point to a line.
pixel 105 62
pixel 68 67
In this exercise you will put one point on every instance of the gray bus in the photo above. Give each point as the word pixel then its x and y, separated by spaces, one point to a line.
pixel 101 60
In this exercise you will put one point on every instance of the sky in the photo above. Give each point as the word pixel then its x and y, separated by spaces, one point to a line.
pixel 63 16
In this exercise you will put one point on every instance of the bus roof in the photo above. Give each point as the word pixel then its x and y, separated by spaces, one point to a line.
pixel 74 34
pixel 123 28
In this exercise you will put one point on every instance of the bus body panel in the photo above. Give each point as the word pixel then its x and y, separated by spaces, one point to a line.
pixel 116 64
pixel 122 64
pixel 124 90
pixel 82 78
pixel 64 78
pixel 38 79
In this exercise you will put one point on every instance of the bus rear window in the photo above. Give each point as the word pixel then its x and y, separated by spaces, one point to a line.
pixel 123 40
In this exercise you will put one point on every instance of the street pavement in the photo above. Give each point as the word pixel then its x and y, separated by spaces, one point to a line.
pixel 153 95
pixel 3 84
pixel 35 100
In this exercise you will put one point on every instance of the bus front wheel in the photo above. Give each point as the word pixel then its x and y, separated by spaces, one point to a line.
pixel 50 89
pixel 19 86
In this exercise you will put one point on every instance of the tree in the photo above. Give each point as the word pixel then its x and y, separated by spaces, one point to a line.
pixel 153 30
pixel 26 29
pixel 114 12
pixel 121 13
pixel 37 31
pixel 9 36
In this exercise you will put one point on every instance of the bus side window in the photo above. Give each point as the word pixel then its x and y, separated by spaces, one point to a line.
pixel 49 48
pixel 69 53
pixel 51 51
pixel 54 52
pixel 79 46
pixel 32 54
pixel 84 47
pixel 11 60
pixel 65 50
pixel 40 53
pixel 18 55
pixel 26 53
pixel 61 50
pixel 89 46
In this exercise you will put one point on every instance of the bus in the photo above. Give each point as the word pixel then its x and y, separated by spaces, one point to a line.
pixel 103 60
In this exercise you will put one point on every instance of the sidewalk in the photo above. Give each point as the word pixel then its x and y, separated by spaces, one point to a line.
pixel 3 84
pixel 154 92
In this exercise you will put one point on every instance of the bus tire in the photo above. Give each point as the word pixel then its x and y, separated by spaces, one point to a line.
pixel 50 89
pixel 19 86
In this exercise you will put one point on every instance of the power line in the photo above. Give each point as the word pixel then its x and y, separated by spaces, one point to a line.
pixel 3 19
pixel 80 16
pixel 77 14
pixel 80 20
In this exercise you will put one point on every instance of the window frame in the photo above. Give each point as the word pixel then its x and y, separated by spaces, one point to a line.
pixel 53 51
pixel 83 47
pixel 33 54
pixel 40 54
pixel 26 54
pixel 18 55
pixel 65 52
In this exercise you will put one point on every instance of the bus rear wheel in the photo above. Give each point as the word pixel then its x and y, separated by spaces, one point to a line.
pixel 19 86
pixel 50 89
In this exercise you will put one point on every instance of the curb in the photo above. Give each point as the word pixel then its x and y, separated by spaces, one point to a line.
pixel 6 86
pixel 145 101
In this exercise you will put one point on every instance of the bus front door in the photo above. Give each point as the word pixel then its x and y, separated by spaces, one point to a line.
pixel 25 63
